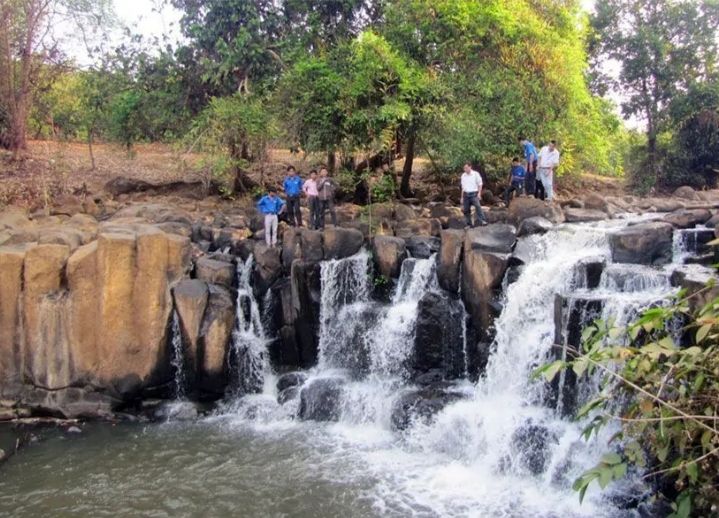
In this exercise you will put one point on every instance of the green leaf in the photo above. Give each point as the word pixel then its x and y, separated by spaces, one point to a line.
pixel 611 458
pixel 550 370
pixel 702 332
pixel 605 477
pixel 693 471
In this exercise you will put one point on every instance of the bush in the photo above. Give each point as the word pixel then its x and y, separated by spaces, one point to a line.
pixel 668 427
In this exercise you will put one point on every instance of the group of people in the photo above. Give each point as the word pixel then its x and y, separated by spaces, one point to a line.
pixel 534 176
pixel 319 191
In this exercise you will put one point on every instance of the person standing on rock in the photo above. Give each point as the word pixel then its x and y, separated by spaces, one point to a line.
pixel 326 188
pixel 270 205
pixel 471 182
pixel 310 190
pixel 293 189
pixel 530 165
pixel 516 180
pixel 548 162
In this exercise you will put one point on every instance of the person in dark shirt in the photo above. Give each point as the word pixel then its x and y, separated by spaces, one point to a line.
pixel 326 188
pixel 293 190
pixel 517 176
pixel 530 165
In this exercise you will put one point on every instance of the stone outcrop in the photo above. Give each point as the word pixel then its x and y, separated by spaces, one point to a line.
pixel 523 208
pixel 421 247
pixel 342 242
pixel 388 253
pixel 534 225
pixel 438 340
pixel 688 218
pixel 450 257
pixel 646 243
pixel 572 215
pixel 321 399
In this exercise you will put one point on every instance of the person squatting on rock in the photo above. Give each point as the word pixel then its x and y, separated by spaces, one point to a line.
pixel 530 165
pixel 293 189
pixel 471 182
pixel 326 188
pixel 271 205
pixel 313 201
pixel 548 162
pixel 517 176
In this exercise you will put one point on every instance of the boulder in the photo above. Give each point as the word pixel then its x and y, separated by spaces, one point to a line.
pixel 686 192
pixel 481 287
pixel 450 257
pixel 122 185
pixel 534 225
pixel 645 243
pixel 190 297
pixel 498 238
pixel 439 340
pixel 594 201
pixel 523 208
pixel 421 247
pixel 388 253
pixel 417 227
pixel 321 399
pixel 268 267
pixel 582 215
pixel 403 212
pixel 421 405
pixel 305 290
pixel 291 379
pixel 215 339
pixel 11 267
pixel 341 242
pixel 213 271
pixel 530 444
pixel 312 245
pixel 688 218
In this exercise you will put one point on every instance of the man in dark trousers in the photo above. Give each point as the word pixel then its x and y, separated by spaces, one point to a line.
pixel 516 181
pixel 530 165
pixel 293 190
pixel 326 188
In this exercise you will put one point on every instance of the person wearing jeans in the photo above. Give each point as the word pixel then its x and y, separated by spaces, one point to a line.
pixel 471 182
pixel 270 206
pixel 530 165
pixel 326 187
pixel 293 189
pixel 548 162
pixel 516 181
pixel 310 190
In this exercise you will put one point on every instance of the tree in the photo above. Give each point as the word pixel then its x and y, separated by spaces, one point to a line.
pixel 662 46
pixel 27 41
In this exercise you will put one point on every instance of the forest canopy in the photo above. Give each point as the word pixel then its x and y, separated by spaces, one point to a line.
pixel 449 80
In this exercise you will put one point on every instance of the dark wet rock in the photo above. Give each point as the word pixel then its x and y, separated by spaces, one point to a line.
pixel 288 394
pixel 481 287
pixel 291 379
pixel 438 343
pixel 534 225
pixel 589 273
pixel 321 399
pixel 421 405
pixel 645 243
pixel 342 242
pixel 268 267
pixel 422 247
pixel 305 292
pixel 497 238
pixel 531 444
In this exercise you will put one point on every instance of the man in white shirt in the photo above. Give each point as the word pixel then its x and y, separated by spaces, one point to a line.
pixel 548 162
pixel 471 191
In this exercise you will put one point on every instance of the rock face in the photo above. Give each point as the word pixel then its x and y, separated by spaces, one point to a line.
pixel 389 252
pixel 523 208
pixel 450 256
pixel 93 317
pixel 423 247
pixel 321 399
pixel 688 218
pixel 646 243
pixel 342 242
pixel 421 405
pixel 438 342
pixel 534 225
pixel 215 272
pixel 486 258
pixel 572 215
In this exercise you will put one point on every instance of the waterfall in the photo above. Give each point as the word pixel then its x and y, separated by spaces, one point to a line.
pixel 249 344
pixel 178 357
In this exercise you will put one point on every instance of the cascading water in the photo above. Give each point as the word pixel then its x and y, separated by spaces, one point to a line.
pixel 178 357
pixel 249 344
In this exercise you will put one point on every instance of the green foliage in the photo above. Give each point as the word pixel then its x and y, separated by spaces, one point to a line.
pixel 668 427
pixel 231 132
pixel 384 188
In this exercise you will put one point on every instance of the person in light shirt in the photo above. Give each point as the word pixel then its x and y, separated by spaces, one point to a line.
pixel 313 201
pixel 471 182
pixel 548 162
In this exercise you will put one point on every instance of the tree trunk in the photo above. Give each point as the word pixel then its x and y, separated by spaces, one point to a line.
pixel 331 161
pixel 92 154
pixel 404 188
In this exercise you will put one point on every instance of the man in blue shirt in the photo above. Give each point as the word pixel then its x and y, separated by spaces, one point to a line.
pixel 516 180
pixel 270 205
pixel 293 189
pixel 530 165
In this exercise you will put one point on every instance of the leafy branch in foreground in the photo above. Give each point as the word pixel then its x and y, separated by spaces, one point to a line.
pixel 663 397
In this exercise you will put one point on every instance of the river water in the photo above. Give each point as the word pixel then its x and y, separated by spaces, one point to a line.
pixel 253 458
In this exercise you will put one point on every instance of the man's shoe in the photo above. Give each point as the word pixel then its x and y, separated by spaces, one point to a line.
pixel 483 223
pixel 467 227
